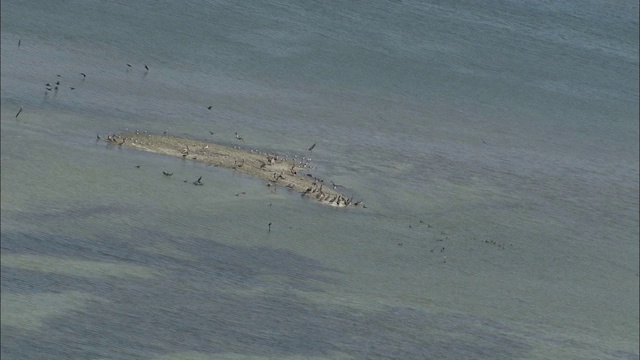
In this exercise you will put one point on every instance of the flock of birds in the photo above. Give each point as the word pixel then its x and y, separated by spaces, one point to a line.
pixel 56 86
pixel 317 190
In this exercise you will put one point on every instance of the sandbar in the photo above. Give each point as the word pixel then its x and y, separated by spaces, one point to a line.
pixel 274 169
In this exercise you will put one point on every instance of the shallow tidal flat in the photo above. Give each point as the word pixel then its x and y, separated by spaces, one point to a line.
pixel 272 168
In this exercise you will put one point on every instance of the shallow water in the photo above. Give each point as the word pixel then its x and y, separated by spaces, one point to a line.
pixel 496 149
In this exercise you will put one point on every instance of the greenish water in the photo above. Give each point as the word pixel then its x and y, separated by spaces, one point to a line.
pixel 496 149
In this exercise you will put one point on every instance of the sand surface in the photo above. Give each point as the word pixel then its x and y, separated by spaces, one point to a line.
pixel 276 170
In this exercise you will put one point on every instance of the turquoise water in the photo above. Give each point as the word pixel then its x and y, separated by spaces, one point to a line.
pixel 496 149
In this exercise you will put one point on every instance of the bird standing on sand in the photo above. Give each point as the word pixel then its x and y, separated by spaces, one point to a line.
pixel 19 111
pixel 238 137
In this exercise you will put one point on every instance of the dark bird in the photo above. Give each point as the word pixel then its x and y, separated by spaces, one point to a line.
pixel 211 132
pixel 47 85
pixel 198 182
pixel 146 67
pixel 138 166
pixel 269 225
pixel 19 111
pixel 129 65
pixel 97 137
pixel 72 88
pixel 166 173
pixel 58 82
pixel 210 107
pixel 19 42
pixel 312 146
pixel 58 75
pixel 335 186
pixel 83 75
pixel 239 138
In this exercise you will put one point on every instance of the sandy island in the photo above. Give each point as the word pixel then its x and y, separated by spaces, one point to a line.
pixel 272 168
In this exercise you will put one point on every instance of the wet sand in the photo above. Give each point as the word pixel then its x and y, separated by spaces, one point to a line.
pixel 269 167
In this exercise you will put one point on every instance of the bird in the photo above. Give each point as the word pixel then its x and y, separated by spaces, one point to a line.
pixel 97 137
pixel 210 107
pixel 83 75
pixel 129 65
pixel 146 67
pixel 211 132
pixel 335 186
pixel 239 138
pixel 72 88
pixel 167 174
pixel 19 111
pixel 269 225
pixel 198 182
pixel 137 166
pixel 19 42
pixel 311 147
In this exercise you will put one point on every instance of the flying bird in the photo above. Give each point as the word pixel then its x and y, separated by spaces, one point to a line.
pixel 239 138
pixel 312 146
pixel 19 111
pixel 167 174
